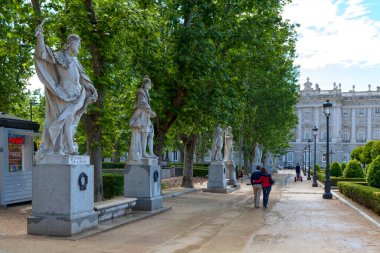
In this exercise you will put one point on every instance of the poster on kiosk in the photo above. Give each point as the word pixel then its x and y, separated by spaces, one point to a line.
pixel 16 158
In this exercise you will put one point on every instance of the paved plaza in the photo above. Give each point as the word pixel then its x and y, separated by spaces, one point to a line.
pixel 298 220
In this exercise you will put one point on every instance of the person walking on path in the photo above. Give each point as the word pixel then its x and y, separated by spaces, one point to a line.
pixel 256 186
pixel 266 185
pixel 298 170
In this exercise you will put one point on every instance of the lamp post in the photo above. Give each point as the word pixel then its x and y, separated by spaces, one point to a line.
pixel 308 169
pixel 315 132
pixel 327 111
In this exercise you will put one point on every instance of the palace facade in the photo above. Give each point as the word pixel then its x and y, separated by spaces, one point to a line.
pixel 355 119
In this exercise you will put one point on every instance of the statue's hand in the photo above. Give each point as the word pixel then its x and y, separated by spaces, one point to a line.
pixel 94 95
pixel 39 30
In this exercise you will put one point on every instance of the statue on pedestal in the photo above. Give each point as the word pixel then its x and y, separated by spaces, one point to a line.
pixel 68 91
pixel 258 153
pixel 142 127
pixel 217 145
pixel 228 148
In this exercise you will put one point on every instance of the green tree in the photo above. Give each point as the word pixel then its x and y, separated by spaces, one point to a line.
pixel 373 173
pixel 353 170
pixel 335 170
pixel 366 155
pixel 356 152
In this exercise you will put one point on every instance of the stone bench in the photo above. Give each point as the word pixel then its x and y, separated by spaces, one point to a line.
pixel 114 208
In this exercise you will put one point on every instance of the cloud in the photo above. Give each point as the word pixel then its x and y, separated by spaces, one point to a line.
pixel 335 32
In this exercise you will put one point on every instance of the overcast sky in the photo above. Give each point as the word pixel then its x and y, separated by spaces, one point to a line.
pixel 338 41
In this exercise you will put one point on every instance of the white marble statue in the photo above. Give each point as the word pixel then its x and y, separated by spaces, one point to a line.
pixel 142 127
pixel 228 146
pixel 258 153
pixel 217 145
pixel 68 91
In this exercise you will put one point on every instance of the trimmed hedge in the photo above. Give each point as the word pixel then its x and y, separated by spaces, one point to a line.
pixel 365 195
pixel 334 180
pixel 113 185
pixel 200 172
pixel 106 165
pixel 353 170
pixel 335 170
pixel 373 173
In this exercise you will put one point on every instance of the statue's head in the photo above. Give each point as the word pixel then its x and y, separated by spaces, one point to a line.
pixel 146 83
pixel 73 44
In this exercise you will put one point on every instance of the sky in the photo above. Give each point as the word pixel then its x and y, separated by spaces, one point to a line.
pixel 338 41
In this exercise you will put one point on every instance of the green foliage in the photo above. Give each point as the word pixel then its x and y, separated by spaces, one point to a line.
pixel 113 185
pixel 335 180
pixel 343 166
pixel 107 165
pixel 366 155
pixel 373 173
pixel 200 172
pixel 353 170
pixel 335 170
pixel 375 151
pixel 365 195
pixel 355 153
pixel 318 168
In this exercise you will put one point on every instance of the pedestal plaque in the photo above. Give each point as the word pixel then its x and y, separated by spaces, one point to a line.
pixel 63 196
pixel 142 180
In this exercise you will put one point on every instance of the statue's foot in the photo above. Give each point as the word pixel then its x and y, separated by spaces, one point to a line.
pixel 73 153
pixel 153 156
pixel 145 156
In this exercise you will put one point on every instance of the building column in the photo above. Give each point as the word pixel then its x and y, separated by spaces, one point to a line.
pixel 369 124
pixel 316 116
pixel 353 126
pixel 336 122
pixel 299 126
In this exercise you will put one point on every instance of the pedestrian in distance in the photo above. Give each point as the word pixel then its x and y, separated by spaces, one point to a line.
pixel 266 184
pixel 256 186
pixel 298 170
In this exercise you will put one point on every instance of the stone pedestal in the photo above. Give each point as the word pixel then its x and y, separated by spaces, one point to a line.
pixel 230 166
pixel 142 180
pixel 63 196
pixel 217 175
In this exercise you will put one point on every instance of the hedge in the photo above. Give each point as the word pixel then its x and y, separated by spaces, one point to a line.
pixel 365 195
pixel 113 185
pixel 107 165
pixel 334 180
pixel 200 172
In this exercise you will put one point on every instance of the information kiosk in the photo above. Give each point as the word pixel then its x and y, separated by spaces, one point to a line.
pixel 16 158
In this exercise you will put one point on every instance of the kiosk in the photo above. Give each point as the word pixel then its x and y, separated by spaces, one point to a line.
pixel 16 158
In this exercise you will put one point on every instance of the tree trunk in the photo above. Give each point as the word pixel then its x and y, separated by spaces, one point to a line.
pixel 115 153
pixel 240 149
pixel 94 150
pixel 189 143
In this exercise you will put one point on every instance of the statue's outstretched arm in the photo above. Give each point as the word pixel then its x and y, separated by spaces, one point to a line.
pixel 40 47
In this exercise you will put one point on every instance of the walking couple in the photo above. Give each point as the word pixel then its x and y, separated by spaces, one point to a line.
pixel 261 180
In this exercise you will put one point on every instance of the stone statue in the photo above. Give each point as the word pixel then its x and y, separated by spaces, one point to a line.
pixel 217 145
pixel 258 153
pixel 68 91
pixel 228 146
pixel 142 127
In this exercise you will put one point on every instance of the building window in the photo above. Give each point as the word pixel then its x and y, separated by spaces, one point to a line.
pixel 345 113
pixel 324 156
pixel 307 135
pixel 346 157
pixel 361 136
pixel 323 135
pixel 346 136
pixel 377 111
pixel 307 111
pixel 361 111
pixel 175 156
pixel 376 134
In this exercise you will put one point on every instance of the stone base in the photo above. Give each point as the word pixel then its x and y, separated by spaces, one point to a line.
pixel 217 175
pixel 144 183
pixel 226 190
pixel 60 225
pixel 114 208
pixel 149 204
pixel 62 196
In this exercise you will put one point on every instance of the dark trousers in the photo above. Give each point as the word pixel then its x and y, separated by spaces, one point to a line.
pixel 266 192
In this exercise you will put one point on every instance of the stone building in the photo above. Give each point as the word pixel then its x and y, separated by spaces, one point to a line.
pixel 355 120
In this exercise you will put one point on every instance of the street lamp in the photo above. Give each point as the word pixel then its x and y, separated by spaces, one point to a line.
pixel 308 170
pixel 327 111
pixel 315 132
